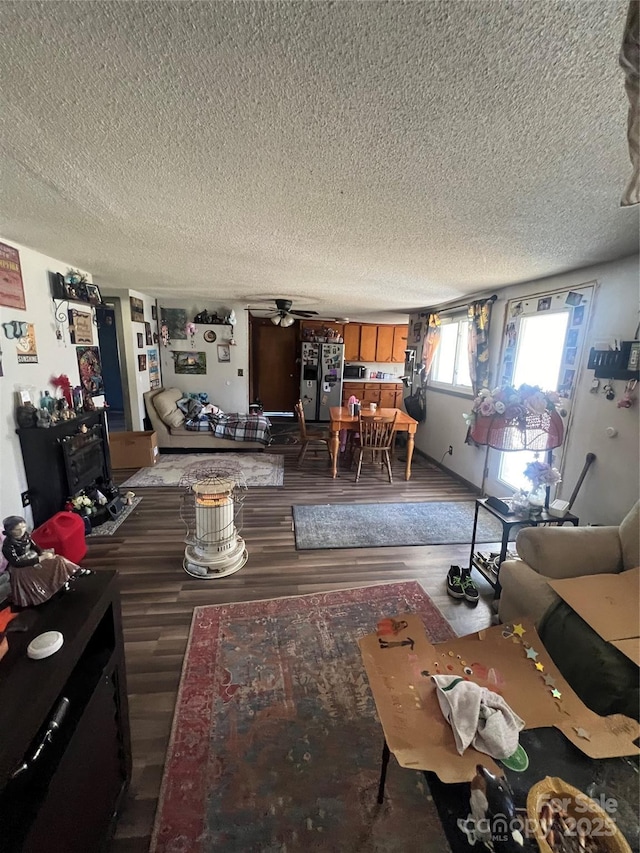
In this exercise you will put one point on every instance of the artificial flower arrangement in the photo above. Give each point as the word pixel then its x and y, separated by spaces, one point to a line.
pixel 512 403
pixel 542 474
pixel 83 504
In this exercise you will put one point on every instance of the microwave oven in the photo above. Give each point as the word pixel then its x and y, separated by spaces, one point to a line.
pixel 354 371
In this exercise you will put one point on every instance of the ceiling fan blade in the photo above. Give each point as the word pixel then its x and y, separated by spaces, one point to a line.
pixel 304 313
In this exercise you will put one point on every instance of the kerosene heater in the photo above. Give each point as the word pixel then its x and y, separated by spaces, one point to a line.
pixel 214 549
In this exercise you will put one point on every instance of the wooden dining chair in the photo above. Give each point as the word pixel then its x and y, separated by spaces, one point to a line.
pixel 376 434
pixel 317 438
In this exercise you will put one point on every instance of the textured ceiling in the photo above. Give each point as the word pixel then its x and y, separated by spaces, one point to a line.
pixel 360 157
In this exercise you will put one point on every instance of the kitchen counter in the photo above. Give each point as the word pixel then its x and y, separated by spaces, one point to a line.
pixel 397 381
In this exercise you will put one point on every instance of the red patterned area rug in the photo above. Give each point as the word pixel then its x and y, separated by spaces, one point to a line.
pixel 276 744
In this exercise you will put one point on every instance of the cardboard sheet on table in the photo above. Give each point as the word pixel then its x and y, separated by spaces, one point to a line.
pixel 610 604
pixel 630 648
pixel 421 738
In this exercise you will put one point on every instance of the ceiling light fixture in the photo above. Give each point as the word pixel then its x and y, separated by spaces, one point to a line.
pixel 283 319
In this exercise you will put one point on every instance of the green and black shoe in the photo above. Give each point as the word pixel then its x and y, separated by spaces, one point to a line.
pixel 454 582
pixel 469 589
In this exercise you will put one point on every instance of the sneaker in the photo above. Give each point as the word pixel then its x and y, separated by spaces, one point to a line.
pixel 469 589
pixel 454 582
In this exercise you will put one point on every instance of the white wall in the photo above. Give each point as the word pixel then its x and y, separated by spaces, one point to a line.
pixel 612 484
pixel 54 358
pixel 221 382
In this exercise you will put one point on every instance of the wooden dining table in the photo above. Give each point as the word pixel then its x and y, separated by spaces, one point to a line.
pixel 341 419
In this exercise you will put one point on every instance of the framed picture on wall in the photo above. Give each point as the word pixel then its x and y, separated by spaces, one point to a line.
pixel 142 362
pixel 140 337
pixel 80 327
pixel 93 294
pixel 154 368
pixel 190 362
pixel 224 353
pixel 11 286
pixel 147 334
pixel 137 309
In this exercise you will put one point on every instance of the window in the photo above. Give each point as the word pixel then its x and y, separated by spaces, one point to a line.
pixel 451 362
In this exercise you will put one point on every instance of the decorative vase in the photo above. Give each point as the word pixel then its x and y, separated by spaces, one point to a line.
pixel 537 498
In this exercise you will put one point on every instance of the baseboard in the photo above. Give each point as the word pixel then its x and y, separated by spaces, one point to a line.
pixel 471 486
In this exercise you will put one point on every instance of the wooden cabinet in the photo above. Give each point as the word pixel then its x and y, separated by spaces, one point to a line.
pixel 400 334
pixel 369 343
pixel 67 794
pixel 384 344
pixel 318 326
pixel 368 340
pixel 352 342
pixel 387 395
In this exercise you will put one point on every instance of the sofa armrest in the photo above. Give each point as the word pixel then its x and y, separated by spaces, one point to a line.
pixel 567 552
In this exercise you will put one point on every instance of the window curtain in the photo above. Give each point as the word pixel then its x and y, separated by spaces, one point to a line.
pixel 479 314
pixel 630 62
pixel 431 342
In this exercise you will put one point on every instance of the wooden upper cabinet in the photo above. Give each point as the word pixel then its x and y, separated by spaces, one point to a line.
pixel 400 335
pixel 317 326
pixel 352 342
pixel 384 344
pixel 368 337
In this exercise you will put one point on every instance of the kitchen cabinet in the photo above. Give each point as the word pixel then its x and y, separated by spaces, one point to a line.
pixel 387 395
pixel 318 326
pixel 352 342
pixel 368 340
pixel 384 344
pixel 400 334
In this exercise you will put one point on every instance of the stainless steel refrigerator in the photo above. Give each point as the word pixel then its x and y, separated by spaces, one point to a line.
pixel 321 379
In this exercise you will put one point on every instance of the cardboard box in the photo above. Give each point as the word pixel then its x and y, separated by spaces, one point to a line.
pixel 610 604
pixel 417 732
pixel 133 449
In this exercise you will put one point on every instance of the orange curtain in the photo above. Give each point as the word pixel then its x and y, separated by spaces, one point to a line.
pixel 431 342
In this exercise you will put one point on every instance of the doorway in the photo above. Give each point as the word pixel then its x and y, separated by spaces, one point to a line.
pixel 274 365
pixel 111 373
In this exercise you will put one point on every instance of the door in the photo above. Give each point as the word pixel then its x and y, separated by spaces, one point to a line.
pixel 274 377
pixel 111 371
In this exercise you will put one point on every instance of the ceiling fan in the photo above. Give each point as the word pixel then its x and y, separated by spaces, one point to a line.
pixel 284 316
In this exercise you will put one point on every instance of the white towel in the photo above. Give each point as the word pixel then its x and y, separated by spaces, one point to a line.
pixel 478 717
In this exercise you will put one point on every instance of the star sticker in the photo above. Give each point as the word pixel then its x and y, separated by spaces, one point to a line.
pixel 519 630
pixel 532 654
pixel 549 680
pixel 556 693
pixel 540 666
pixel 583 733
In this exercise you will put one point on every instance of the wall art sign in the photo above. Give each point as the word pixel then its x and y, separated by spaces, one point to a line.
pixel 140 338
pixel 11 285
pixel 90 369
pixel 190 362
pixel 147 332
pixel 80 327
pixel 137 309
pixel 142 362
pixel 154 368
pixel 175 319
pixel 26 346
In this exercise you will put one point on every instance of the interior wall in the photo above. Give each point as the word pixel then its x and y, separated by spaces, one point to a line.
pixel 55 357
pixel 611 486
pixel 222 383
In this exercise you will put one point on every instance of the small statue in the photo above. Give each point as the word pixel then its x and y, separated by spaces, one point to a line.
pixel 493 818
pixel 43 418
pixel 35 574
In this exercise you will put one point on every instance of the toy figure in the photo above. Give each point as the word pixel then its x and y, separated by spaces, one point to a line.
pixel 35 574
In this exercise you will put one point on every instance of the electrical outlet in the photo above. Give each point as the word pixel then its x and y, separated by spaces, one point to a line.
pixel 240 372
pixel 450 450
pixel 26 500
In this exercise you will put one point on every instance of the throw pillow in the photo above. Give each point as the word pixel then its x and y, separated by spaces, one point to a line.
pixel 168 412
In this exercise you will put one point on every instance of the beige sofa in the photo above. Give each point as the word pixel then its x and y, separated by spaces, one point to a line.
pixel 168 422
pixel 563 552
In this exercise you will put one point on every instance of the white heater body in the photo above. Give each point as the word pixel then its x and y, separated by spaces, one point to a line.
pixel 216 550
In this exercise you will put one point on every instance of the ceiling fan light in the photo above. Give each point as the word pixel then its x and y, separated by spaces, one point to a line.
pixel 276 320
pixel 287 320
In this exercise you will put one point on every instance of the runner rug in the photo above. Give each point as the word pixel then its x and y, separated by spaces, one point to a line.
pixel 175 469
pixel 275 743
pixel 318 526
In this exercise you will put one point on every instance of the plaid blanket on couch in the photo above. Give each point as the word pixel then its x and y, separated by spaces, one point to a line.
pixel 233 425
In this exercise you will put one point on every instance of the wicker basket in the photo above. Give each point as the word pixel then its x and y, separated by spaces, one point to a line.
pixel 609 837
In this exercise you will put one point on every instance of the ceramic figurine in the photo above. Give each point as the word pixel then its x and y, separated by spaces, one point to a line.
pixel 35 574
pixel 493 817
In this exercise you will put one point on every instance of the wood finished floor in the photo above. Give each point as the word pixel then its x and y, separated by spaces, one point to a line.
pixel 158 597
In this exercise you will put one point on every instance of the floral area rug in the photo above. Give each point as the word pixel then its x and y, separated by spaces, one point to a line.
pixel 108 528
pixel 276 745
pixel 258 469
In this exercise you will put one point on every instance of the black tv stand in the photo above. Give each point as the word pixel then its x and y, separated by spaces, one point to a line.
pixel 67 798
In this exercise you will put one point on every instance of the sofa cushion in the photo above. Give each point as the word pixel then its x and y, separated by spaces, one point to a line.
pixel 630 538
pixel 165 404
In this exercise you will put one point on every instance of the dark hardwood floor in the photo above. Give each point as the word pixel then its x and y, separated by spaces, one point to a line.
pixel 158 597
